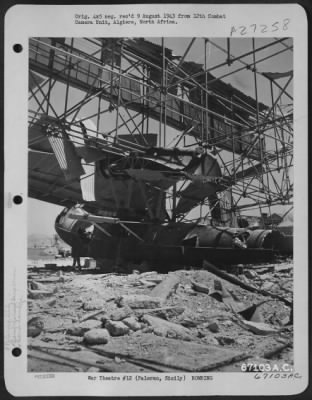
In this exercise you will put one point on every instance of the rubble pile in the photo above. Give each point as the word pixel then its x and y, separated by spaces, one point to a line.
pixel 186 320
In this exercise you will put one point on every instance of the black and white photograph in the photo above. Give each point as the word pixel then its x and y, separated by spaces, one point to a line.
pixel 160 212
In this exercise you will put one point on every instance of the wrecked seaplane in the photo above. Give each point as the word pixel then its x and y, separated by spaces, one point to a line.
pixel 169 245
pixel 121 212
pixel 126 218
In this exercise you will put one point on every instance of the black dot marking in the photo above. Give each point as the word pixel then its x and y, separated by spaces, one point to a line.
pixel 16 352
pixel 18 48
pixel 18 199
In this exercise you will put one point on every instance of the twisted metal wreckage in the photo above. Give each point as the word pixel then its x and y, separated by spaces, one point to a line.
pixel 128 192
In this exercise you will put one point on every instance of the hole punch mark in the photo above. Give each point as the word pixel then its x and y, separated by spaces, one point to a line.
pixel 16 352
pixel 18 199
pixel 18 48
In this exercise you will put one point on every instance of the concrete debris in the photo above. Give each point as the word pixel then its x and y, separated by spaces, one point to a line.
pixel 195 320
pixel 250 274
pixel 132 323
pixel 268 286
pixel 81 328
pixel 93 315
pixel 49 303
pixel 92 305
pixel 34 285
pixel 225 340
pixel 200 288
pixel 34 327
pixel 213 327
pixel 96 336
pixel 164 312
pixel 209 339
pixel 260 328
pixel 173 353
pixel 252 313
pixel 120 313
pixel 165 288
pixel 116 328
pixel 147 283
pixel 167 329
pixel 140 301
pixel 39 294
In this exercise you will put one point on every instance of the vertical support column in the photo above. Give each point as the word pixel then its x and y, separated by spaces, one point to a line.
pixel 68 76
pixel 257 111
pixel 228 51
pixel 206 93
pixel 234 167
pixel 98 119
pixel 174 201
pixel 275 129
pixel 286 180
pixel 51 61
pixel 119 88
pixel 164 89
pixel 144 98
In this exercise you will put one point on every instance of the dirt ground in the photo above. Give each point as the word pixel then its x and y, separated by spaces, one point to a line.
pixel 186 320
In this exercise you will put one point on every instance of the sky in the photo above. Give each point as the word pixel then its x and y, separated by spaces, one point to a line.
pixel 41 215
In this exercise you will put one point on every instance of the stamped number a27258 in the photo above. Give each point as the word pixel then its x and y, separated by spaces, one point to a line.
pixel 243 30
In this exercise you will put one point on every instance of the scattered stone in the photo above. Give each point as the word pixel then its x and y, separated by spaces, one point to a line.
pixel 34 327
pixel 93 315
pixel 34 285
pixel 97 336
pixel 253 314
pixel 155 279
pixel 209 339
pixel 188 323
pixel 148 274
pixel 39 294
pixel 60 279
pixel 165 312
pixel 93 305
pixel 243 341
pixel 269 286
pixel 250 274
pixel 213 327
pixel 225 340
pixel 140 301
pixel 188 290
pixel 260 328
pixel 116 328
pixel 173 330
pixel 283 268
pixel 81 328
pixel 201 334
pixel 50 303
pixel 132 323
pixel 120 314
pixel 147 283
pixel 160 331
pixel 199 287
pixel 166 287
pixel 148 329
